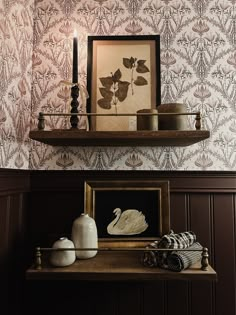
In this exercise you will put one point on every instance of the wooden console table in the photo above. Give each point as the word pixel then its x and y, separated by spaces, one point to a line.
pixel 116 266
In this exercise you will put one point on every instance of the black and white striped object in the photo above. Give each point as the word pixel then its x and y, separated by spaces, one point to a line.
pixel 170 241
pixel 177 240
pixel 180 260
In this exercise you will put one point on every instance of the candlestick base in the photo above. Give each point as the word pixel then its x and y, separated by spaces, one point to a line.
pixel 74 106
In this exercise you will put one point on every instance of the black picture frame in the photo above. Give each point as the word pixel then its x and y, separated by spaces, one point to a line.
pixel 151 198
pixel 111 56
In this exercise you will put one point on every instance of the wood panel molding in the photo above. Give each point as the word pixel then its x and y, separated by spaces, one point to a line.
pixel 14 189
pixel 187 181
pixel 14 181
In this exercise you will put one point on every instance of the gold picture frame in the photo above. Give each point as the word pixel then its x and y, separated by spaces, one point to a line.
pixel 148 199
pixel 123 76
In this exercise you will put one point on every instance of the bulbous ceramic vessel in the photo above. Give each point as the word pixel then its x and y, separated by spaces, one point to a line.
pixel 84 235
pixel 65 257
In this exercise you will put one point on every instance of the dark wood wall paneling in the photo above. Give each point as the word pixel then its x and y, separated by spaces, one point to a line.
pixel 14 187
pixel 200 201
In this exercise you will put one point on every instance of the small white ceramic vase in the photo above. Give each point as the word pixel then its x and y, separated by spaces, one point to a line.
pixel 64 257
pixel 84 235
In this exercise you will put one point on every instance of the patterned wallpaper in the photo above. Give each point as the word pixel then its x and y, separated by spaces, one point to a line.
pixel 16 43
pixel 198 68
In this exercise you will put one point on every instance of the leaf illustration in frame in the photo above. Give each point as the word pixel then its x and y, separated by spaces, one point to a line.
pixel 129 63
pixel 116 76
pixel 106 82
pixel 140 81
pixel 104 103
pixel 122 91
pixel 106 93
pixel 141 67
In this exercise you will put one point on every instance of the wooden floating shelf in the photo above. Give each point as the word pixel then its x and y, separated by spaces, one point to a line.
pixel 71 137
pixel 109 266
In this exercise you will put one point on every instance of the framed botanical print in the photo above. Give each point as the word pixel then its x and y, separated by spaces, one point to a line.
pixel 123 76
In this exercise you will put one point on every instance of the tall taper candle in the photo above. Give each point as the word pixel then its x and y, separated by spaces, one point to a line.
pixel 75 59
pixel 74 89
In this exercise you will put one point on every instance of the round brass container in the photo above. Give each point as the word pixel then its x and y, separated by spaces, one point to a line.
pixel 147 122
pixel 172 122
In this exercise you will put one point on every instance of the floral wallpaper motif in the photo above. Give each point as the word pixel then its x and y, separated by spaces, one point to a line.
pixel 16 43
pixel 198 68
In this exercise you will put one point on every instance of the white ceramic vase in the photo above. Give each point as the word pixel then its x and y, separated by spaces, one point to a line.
pixel 84 235
pixel 64 257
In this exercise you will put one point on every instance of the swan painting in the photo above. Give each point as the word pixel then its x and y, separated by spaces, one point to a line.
pixel 128 222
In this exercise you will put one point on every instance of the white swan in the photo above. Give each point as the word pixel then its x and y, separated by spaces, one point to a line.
pixel 129 222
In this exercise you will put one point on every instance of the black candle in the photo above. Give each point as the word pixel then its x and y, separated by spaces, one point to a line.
pixel 75 59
